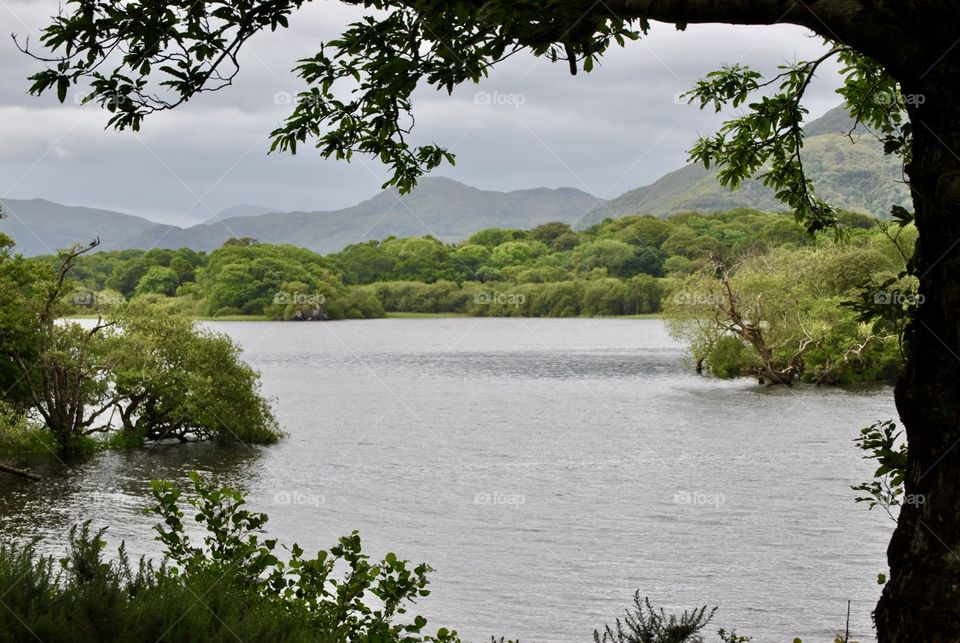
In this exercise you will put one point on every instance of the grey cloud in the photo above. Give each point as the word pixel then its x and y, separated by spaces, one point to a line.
pixel 605 132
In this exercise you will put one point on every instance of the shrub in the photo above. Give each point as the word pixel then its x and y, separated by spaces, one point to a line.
pixel 234 586
pixel 643 624
pixel 227 311
pixel 19 435
pixel 729 357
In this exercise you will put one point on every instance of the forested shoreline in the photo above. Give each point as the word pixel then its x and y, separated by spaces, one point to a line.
pixel 623 266
pixel 751 292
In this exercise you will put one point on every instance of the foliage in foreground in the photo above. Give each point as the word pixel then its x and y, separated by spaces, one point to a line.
pixel 643 624
pixel 883 443
pixel 233 585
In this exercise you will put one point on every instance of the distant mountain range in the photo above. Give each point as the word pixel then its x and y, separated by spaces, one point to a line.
pixel 442 207
pixel 856 177
pixel 42 227
pixel 240 211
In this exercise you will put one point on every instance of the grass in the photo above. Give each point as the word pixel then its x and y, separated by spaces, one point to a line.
pixel 196 317
pixel 424 315
pixel 642 316
pixel 233 318
pixel 396 315
pixel 443 315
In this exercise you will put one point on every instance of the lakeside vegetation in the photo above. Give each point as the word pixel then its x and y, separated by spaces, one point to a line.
pixel 265 591
pixel 136 374
pixel 897 62
pixel 752 293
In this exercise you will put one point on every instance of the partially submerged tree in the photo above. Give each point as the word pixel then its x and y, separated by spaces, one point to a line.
pixel 149 375
pixel 902 64
pixel 174 380
pixel 781 316
pixel 66 376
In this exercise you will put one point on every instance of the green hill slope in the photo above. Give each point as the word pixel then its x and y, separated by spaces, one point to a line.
pixel 851 174
pixel 446 209
pixel 43 227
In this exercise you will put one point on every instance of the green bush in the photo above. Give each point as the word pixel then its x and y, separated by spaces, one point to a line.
pixel 233 586
pixel 19 435
pixel 729 358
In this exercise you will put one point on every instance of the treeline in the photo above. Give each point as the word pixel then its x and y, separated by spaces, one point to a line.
pixel 621 266
pixel 751 292
pixel 570 298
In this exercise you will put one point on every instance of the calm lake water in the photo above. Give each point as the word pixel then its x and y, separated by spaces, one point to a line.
pixel 546 468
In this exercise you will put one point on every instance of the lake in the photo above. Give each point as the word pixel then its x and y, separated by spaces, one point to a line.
pixel 546 468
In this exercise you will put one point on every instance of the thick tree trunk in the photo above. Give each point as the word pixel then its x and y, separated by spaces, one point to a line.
pixel 921 601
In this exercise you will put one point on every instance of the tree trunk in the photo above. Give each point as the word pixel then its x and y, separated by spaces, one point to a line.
pixel 921 601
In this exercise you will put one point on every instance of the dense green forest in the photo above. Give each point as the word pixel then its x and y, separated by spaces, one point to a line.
pixel 751 292
pixel 621 266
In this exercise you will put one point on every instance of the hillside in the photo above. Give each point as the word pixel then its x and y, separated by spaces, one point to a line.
pixel 42 227
pixel 239 211
pixel 851 175
pixel 441 207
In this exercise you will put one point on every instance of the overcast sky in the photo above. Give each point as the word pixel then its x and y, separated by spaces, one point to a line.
pixel 606 132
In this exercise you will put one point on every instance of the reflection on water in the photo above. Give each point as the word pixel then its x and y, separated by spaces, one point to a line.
pixel 545 468
pixel 109 484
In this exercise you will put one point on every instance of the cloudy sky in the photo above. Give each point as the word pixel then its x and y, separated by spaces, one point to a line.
pixel 533 124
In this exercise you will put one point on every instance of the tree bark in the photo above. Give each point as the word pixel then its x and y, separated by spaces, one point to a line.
pixel 921 601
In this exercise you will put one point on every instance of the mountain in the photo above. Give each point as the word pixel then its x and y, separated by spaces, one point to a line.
pixel 441 207
pixel 42 227
pixel 240 211
pixel 851 174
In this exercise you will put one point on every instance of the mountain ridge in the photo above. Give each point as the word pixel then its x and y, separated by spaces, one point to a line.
pixel 856 177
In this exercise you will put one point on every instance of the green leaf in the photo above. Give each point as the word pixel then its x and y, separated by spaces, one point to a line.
pixel 63 83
